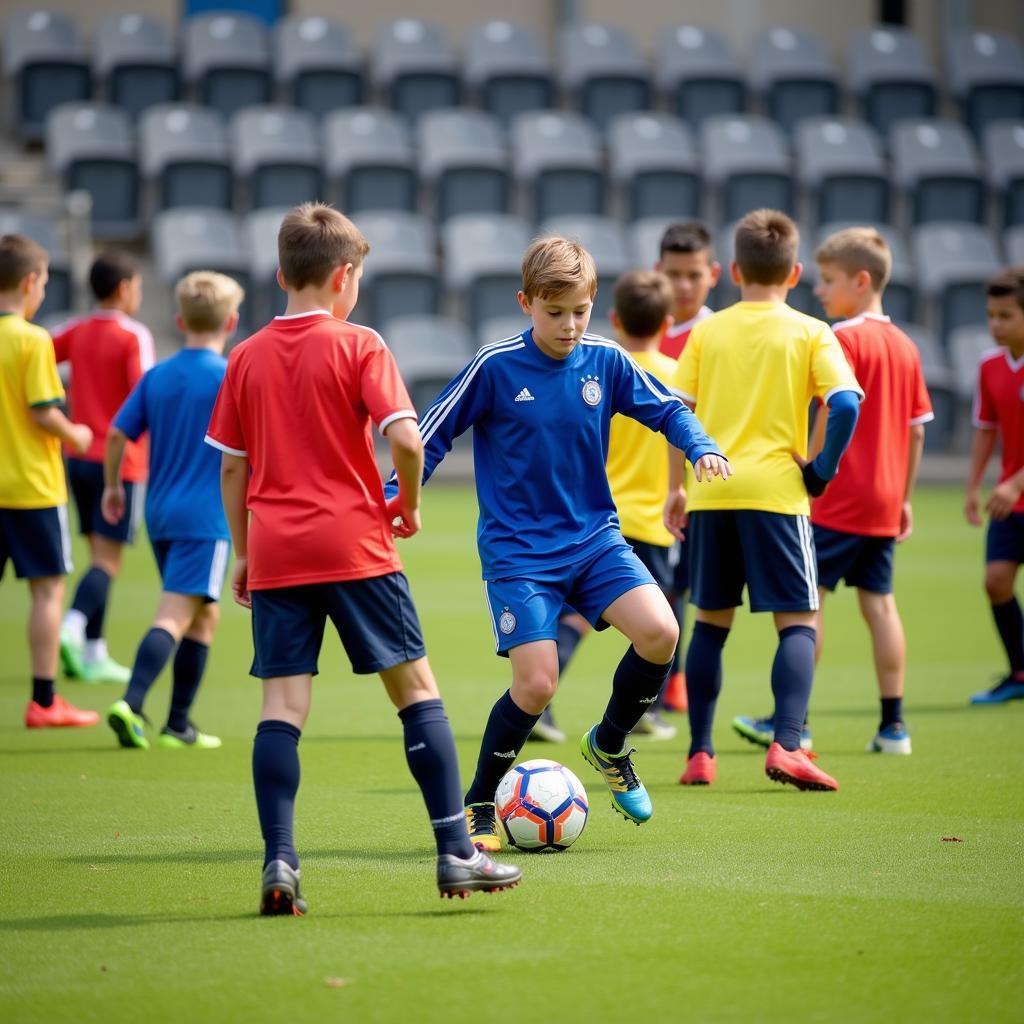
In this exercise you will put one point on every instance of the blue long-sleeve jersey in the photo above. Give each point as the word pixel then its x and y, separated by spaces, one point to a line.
pixel 540 442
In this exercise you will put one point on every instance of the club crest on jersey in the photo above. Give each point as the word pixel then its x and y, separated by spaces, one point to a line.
pixel 506 622
pixel 591 390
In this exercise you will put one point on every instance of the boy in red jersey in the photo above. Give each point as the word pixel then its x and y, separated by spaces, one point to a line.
pixel 108 352
pixel 313 539
pixel 999 411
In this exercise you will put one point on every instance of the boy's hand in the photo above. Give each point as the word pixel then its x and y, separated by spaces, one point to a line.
pixel 814 484
pixel 906 523
pixel 405 521
pixel 674 515
pixel 1003 498
pixel 81 437
pixel 972 507
pixel 240 582
pixel 112 505
pixel 708 466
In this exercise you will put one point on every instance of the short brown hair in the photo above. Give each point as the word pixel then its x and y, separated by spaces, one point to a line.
pixel 206 299
pixel 857 249
pixel 1008 282
pixel 314 239
pixel 19 257
pixel 643 298
pixel 767 242
pixel 553 266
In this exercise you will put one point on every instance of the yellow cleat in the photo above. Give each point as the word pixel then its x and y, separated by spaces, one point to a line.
pixel 482 822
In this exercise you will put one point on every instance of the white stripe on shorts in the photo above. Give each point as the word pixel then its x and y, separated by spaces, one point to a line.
pixel 65 538
pixel 217 567
pixel 490 615
pixel 810 562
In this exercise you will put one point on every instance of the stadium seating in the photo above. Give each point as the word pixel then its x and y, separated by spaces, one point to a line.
pixel 317 65
pixel 605 239
pixel 792 72
pixel 415 66
pixel 697 70
pixel 507 70
pixel 501 327
pixel 429 350
pixel 259 237
pixel 226 59
pixel 890 76
pixel 986 75
pixel 644 239
pixel 1013 242
pixel 966 347
pixel 276 154
pixel 652 160
pixel 1004 165
pixel 943 388
pixel 135 57
pixel 43 231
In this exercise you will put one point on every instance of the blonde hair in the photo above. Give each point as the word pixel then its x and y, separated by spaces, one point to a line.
pixel 315 239
pixel 857 249
pixel 767 242
pixel 553 266
pixel 206 299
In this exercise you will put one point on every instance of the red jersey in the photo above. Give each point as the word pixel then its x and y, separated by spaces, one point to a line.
pixel 866 497
pixel 109 352
pixel 674 340
pixel 297 401
pixel 999 405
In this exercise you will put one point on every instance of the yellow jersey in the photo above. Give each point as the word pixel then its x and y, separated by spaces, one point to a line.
pixel 750 372
pixel 637 465
pixel 31 470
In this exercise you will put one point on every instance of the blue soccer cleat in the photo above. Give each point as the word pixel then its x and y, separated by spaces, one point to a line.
pixel 629 795
pixel 1009 689
pixel 893 739
pixel 762 731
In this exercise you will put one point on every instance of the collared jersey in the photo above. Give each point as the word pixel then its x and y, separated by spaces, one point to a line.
pixel 297 401
pixel 638 465
pixel 751 371
pixel 999 405
pixel 108 352
pixel 674 339
pixel 866 496
pixel 540 443
pixel 31 471
pixel 174 402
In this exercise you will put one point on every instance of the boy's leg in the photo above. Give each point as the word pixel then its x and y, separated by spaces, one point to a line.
pixel 1004 551
pixel 704 675
pixel 673 697
pixel 792 675
pixel 189 666
pixel 572 628
pixel 888 645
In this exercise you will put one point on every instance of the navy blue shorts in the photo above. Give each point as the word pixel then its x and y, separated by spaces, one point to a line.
pixel 660 561
pixel 863 562
pixel 36 540
pixel 1004 539
pixel 770 553
pixel 681 572
pixel 193 567
pixel 375 619
pixel 86 482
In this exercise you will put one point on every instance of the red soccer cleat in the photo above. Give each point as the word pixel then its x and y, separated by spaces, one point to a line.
pixel 797 768
pixel 675 692
pixel 700 770
pixel 59 714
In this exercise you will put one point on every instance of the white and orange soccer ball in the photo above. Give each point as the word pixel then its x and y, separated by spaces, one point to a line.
pixel 542 806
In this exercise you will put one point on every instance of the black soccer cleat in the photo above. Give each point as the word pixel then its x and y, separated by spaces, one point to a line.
pixel 281 891
pixel 462 877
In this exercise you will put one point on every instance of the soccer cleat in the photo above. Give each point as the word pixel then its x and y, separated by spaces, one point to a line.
pixel 762 731
pixel 700 770
pixel 127 725
pixel 629 794
pixel 891 739
pixel 796 767
pixel 1007 690
pixel 675 693
pixel 654 727
pixel 482 822
pixel 281 891
pixel 106 670
pixel 461 877
pixel 72 650
pixel 60 715
pixel 189 737
pixel 545 730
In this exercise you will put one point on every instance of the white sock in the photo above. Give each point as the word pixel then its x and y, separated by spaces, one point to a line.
pixel 95 651
pixel 74 623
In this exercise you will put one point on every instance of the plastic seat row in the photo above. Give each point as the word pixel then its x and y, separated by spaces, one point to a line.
pixel 231 60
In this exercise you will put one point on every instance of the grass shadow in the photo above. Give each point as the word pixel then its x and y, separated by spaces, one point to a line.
pixel 251 854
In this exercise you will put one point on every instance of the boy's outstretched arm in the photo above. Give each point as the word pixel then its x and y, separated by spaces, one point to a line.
pixel 407 457
pixel 843 411
pixel 234 487
pixel 913 464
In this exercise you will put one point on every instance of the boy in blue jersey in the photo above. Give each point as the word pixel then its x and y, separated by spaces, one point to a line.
pixel 184 515
pixel 540 404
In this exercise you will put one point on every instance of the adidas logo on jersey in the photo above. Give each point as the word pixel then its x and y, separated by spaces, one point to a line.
pixel 524 396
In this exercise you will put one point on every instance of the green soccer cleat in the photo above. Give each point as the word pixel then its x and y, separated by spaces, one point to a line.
pixel 72 649
pixel 127 725
pixel 762 731
pixel 629 794
pixel 189 737
pixel 106 670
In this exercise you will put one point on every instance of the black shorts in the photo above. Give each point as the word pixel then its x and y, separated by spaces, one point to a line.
pixel 375 619
pixel 37 540
pixel 660 561
pixel 681 573
pixel 86 482
pixel 863 562
pixel 1004 540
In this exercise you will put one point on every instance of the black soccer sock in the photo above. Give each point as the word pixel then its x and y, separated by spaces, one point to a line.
pixel 507 729
pixel 189 665
pixel 568 640
pixel 635 688
pixel 892 711
pixel 42 691
pixel 1010 624
pixel 792 679
pixel 275 777
pixel 153 653
pixel 703 683
pixel 430 752
pixel 91 600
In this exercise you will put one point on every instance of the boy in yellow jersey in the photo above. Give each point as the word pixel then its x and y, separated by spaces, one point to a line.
pixel 33 492
pixel 750 372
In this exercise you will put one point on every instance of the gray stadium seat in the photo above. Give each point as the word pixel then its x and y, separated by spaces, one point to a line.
pixel 507 69
pixel 935 164
pixel 605 240
pixel 890 76
pixel 276 152
pixel 45 60
pixel 317 64
pixel 501 327
pixel 557 159
pixel 1013 243
pixel 1004 164
pixel 697 70
pixel 226 58
pixel 603 72
pixel 482 263
pixel 183 148
pixel 368 155
pixel 464 159
pixel 135 56
pixel 986 74
pixel 415 65
pixel 43 231
pixel 793 73
pixel 966 347
pixel 941 380
pixel 645 239
pixel 841 165
pixel 259 237
pixel 652 158
pixel 746 158
pixel 429 350
pixel 92 147
pixel 954 261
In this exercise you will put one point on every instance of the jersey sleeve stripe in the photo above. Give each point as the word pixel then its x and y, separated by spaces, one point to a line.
pixel 213 443
pixel 925 417
pixel 843 387
pixel 402 414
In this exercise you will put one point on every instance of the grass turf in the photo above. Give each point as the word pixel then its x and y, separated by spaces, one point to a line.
pixel 130 879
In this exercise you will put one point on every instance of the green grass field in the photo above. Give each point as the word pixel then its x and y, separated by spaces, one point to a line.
pixel 130 879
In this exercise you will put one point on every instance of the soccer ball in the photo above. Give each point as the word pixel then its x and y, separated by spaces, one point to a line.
pixel 542 806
